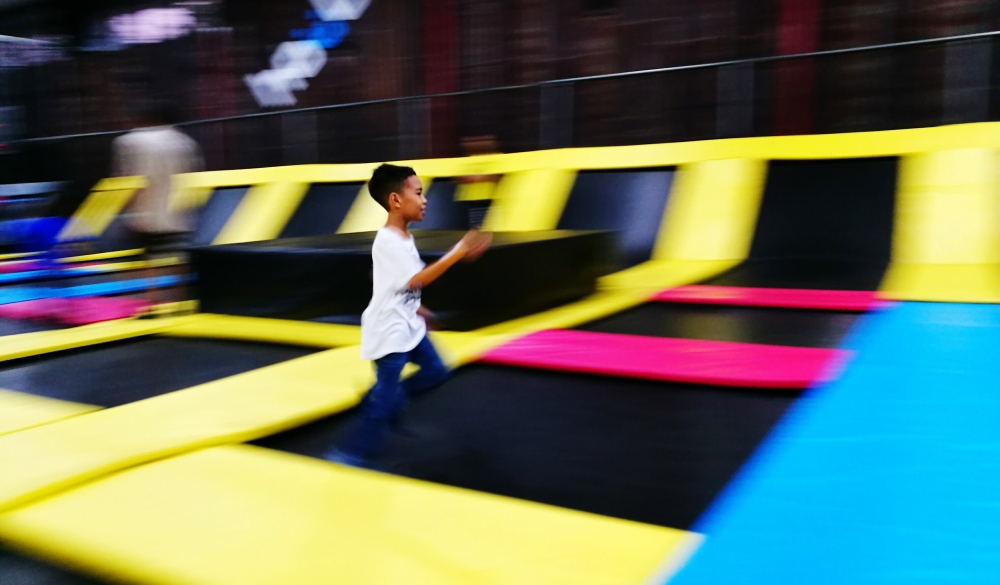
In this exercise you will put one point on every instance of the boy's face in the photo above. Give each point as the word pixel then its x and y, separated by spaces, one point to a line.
pixel 411 202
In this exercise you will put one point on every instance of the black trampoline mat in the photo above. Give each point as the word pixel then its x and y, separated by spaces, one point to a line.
pixel 629 202
pixel 836 209
pixel 647 451
pixel 17 569
pixel 322 209
pixel 18 326
pixel 444 212
pixel 764 325
pixel 804 273
pixel 112 374
pixel 216 212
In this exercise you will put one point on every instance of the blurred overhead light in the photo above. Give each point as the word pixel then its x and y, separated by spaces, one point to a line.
pixel 340 9
pixel 295 61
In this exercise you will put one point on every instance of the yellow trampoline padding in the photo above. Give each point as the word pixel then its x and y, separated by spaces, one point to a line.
pixel 948 208
pixel 476 191
pixel 267 330
pixel 712 210
pixel 365 215
pixel 529 200
pixel 262 213
pixel 17 255
pixel 102 256
pixel 242 515
pixel 946 245
pixel 96 212
pixel 948 283
pixel 822 146
pixel 30 344
pixel 134 265
pixel 19 411
pixel 46 459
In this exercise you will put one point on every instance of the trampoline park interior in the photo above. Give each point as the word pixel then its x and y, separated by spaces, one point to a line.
pixel 748 360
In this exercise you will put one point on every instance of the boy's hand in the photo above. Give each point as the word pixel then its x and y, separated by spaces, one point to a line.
pixel 475 243
pixel 428 316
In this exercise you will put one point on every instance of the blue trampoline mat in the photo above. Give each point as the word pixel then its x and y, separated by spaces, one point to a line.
pixel 890 474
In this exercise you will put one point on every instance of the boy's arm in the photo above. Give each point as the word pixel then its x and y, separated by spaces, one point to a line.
pixel 470 247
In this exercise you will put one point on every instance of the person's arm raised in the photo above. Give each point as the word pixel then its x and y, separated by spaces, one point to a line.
pixel 472 246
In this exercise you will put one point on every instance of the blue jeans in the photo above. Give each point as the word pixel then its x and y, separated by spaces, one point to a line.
pixel 386 400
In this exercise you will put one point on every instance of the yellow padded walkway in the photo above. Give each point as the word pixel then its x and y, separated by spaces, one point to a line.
pixel 19 411
pixel 45 459
pixel 243 515
pixel 40 342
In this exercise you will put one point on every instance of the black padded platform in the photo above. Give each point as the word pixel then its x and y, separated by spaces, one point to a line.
pixel 640 450
pixel 322 210
pixel 329 277
pixel 111 374
pixel 823 224
pixel 443 212
pixel 629 202
pixel 764 325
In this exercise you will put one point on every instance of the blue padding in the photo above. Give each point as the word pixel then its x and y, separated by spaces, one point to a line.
pixel 64 272
pixel 16 295
pixel 891 474
pixel 25 276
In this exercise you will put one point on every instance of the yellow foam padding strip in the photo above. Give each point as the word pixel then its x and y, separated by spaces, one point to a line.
pixel 175 309
pixel 19 411
pixel 819 146
pixel 43 460
pixel 712 210
pixel 120 183
pixel 267 330
pixel 103 256
pixel 477 191
pixel 366 215
pixel 246 515
pixel 95 214
pixel 948 208
pixel 824 146
pixel 529 200
pixel 135 265
pixel 946 246
pixel 262 213
pixel 947 283
pixel 30 344
pixel 16 255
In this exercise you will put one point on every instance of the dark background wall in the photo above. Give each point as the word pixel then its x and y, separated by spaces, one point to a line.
pixel 413 47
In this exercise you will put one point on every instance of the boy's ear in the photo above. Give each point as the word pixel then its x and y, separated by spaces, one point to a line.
pixel 394 197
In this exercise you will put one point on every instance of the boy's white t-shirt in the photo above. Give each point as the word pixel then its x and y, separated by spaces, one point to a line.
pixel 390 324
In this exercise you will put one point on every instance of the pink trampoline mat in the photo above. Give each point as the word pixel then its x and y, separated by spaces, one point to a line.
pixel 720 363
pixel 790 298
pixel 75 311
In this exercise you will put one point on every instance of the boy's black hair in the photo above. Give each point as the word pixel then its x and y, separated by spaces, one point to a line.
pixel 388 179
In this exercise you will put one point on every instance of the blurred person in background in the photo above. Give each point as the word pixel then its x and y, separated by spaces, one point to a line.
pixel 157 151
pixel 477 186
